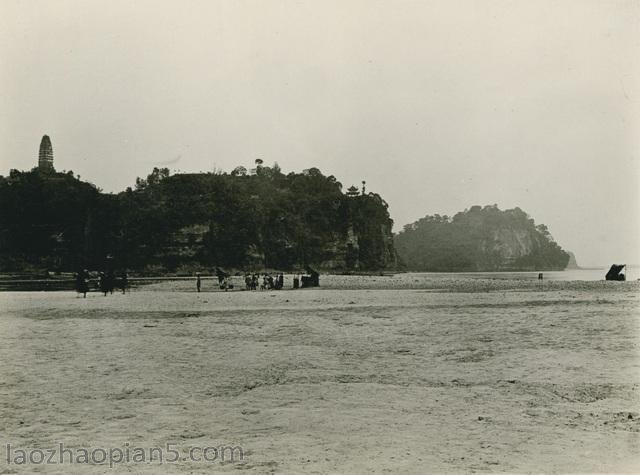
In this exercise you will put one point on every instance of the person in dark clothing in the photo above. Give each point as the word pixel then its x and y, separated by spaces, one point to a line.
pixel 82 282
pixel 102 283
pixel 111 281
pixel 280 281
pixel 124 281
pixel 198 282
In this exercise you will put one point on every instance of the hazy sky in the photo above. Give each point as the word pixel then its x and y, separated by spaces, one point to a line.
pixel 438 105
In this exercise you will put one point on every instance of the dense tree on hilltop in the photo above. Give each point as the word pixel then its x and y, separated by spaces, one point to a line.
pixel 479 239
pixel 43 218
pixel 242 220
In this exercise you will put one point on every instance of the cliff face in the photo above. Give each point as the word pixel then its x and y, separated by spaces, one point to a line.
pixel 512 244
pixel 364 241
pixel 369 239
pixel 367 250
pixel 502 247
pixel 479 239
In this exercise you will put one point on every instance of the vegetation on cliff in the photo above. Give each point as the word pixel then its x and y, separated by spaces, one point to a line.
pixel 241 220
pixel 479 239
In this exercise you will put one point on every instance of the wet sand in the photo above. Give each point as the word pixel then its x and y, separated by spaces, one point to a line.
pixel 405 373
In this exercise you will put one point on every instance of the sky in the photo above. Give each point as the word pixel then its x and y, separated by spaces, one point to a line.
pixel 438 105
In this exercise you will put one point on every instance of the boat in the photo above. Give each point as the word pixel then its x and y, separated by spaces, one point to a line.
pixel 614 272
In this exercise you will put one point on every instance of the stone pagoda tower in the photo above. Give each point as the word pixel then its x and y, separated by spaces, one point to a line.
pixel 45 157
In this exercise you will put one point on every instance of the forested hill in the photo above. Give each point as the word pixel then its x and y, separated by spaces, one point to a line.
pixel 479 239
pixel 185 222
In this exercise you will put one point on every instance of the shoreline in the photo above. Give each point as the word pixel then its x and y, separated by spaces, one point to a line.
pixel 444 282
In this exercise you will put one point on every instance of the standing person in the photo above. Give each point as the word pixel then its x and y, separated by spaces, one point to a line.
pixel 110 281
pixel 198 281
pixel 102 282
pixel 280 281
pixel 124 281
pixel 82 286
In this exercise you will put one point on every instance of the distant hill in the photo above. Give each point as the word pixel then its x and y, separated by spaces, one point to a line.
pixel 572 264
pixel 479 239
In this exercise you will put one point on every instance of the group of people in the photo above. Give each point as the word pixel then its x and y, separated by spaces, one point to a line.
pixel 269 282
pixel 252 281
pixel 107 282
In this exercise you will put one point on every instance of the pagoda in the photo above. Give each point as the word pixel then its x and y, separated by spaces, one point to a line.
pixel 353 191
pixel 45 157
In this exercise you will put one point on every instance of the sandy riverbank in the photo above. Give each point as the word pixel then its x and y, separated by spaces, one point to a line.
pixel 365 374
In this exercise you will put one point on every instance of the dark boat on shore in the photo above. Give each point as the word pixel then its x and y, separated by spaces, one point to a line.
pixel 614 272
